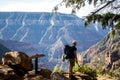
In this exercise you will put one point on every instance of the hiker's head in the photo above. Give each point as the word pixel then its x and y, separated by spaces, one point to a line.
pixel 74 43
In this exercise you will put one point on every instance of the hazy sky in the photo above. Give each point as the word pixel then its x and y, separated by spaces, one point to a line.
pixel 37 6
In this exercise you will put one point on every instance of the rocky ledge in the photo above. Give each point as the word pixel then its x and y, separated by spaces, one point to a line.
pixel 18 66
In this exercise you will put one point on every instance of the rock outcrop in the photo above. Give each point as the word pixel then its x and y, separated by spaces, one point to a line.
pixel 75 76
pixel 6 72
pixel 18 66
pixel 105 54
pixel 44 71
pixel 58 76
pixel 18 61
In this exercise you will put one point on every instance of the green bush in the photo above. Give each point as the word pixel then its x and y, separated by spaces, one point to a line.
pixel 86 70
pixel 99 71
pixel 57 69
pixel 114 73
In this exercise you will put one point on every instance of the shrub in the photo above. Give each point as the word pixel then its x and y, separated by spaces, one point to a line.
pixel 99 71
pixel 86 70
pixel 115 73
pixel 57 69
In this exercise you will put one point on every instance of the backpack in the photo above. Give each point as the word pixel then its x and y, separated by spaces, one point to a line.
pixel 68 52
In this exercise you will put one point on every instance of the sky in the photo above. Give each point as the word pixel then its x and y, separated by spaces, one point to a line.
pixel 39 6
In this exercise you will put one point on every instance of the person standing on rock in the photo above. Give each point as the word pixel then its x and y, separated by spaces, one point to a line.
pixel 71 55
pixel 74 58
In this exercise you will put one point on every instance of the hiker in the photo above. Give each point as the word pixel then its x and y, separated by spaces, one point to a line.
pixel 74 58
pixel 70 55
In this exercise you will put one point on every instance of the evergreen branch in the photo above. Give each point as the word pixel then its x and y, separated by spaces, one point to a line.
pixel 109 2
pixel 116 7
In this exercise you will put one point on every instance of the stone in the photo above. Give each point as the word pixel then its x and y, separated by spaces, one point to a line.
pixel 45 72
pixel 58 76
pixel 19 61
pixel 6 72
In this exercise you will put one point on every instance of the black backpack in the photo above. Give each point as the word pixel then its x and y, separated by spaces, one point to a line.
pixel 68 52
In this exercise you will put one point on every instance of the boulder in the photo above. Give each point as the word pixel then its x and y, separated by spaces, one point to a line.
pixel 6 72
pixel 78 76
pixel 19 61
pixel 41 75
pixel 34 77
pixel 81 76
pixel 45 72
pixel 58 76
